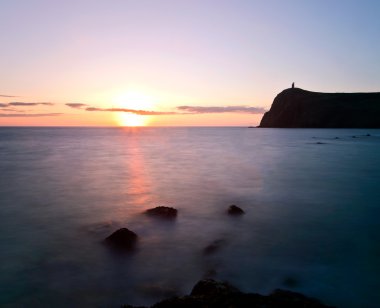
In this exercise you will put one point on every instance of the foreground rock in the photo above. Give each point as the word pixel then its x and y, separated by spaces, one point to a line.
pixel 163 212
pixel 122 239
pixel 297 108
pixel 235 210
pixel 210 293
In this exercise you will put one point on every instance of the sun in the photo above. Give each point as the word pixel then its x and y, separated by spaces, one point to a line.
pixel 130 119
pixel 135 101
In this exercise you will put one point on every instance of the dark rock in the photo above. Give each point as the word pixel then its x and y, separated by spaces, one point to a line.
pixel 285 298
pixel 181 302
pixel 213 247
pixel 294 108
pixel 122 239
pixel 162 212
pixel 235 210
pixel 206 293
pixel 212 294
pixel 210 287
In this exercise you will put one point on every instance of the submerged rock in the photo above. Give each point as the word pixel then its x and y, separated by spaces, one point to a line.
pixel 235 210
pixel 214 247
pixel 210 293
pixel 164 212
pixel 122 239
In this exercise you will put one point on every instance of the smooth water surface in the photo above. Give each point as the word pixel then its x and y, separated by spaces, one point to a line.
pixel 312 205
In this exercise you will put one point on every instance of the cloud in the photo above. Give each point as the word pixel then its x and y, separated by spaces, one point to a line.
pixel 76 105
pixel 29 104
pixel 94 109
pixel 11 109
pixel 3 95
pixel 28 115
pixel 135 111
pixel 23 113
pixel 225 109
pixel 182 110
pixel 3 105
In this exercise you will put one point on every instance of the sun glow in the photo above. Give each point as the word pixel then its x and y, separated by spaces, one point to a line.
pixel 136 101
pixel 130 119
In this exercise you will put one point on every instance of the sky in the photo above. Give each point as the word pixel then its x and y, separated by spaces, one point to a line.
pixel 177 62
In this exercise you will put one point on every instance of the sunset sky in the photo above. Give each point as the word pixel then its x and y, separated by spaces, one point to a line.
pixel 177 62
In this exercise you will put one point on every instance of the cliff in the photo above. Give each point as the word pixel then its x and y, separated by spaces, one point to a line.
pixel 298 108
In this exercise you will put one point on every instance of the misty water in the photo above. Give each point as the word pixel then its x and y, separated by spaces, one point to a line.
pixel 311 197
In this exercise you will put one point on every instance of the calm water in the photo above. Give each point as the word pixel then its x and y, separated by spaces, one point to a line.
pixel 311 223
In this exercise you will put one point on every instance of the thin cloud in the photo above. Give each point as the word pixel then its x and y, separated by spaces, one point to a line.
pixel 28 115
pixel 3 95
pixel 12 109
pixel 140 112
pixel 76 105
pixel 225 109
pixel 182 110
pixel 2 105
pixel 94 109
pixel 29 104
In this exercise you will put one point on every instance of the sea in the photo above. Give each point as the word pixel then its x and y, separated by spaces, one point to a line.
pixel 311 225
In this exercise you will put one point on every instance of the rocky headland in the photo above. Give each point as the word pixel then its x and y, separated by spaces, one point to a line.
pixel 298 108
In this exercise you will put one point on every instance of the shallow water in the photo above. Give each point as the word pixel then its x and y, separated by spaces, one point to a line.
pixel 312 204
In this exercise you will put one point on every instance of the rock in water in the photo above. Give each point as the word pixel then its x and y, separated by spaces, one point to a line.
pixel 214 247
pixel 163 212
pixel 235 210
pixel 122 239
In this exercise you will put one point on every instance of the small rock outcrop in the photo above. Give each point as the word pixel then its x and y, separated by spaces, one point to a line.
pixel 235 210
pixel 298 108
pixel 163 212
pixel 122 240
pixel 213 294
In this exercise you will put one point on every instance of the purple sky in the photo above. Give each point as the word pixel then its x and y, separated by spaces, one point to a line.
pixel 184 53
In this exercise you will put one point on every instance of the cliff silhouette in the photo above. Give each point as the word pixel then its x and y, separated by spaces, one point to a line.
pixel 298 108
